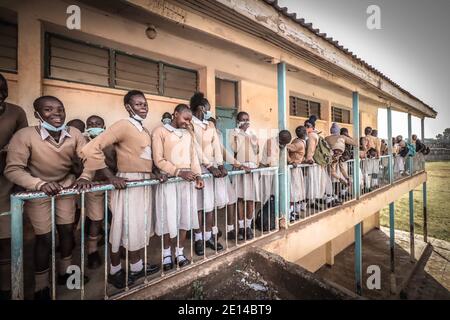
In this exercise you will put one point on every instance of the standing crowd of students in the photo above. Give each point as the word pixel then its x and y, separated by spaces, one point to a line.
pixel 55 155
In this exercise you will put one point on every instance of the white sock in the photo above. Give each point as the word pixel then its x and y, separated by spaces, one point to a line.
pixel 207 235
pixel 114 269
pixel 136 267
pixel 179 253
pixel 215 230
pixel 297 207
pixel 241 224
pixel 302 206
pixel 230 227
pixel 329 199
pixel 167 253
pixel 249 222
pixel 198 236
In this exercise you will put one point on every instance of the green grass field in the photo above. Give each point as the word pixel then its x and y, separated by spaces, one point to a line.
pixel 438 186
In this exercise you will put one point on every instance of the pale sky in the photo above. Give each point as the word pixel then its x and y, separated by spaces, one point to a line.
pixel 412 48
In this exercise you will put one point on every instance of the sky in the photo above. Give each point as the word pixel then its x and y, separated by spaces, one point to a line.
pixel 412 48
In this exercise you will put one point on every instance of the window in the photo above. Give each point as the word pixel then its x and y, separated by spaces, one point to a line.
pixel 226 93
pixel 8 47
pixel 340 115
pixel 303 108
pixel 77 61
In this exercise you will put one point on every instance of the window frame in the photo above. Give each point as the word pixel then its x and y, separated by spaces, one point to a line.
pixel 112 65
pixel 333 107
pixel 6 23
pixel 308 111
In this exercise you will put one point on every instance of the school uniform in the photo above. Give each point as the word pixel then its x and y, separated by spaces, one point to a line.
pixel 12 119
pixel 318 182
pixel 132 207
pixel 246 148
pixel 176 203
pixel 296 152
pixel 35 158
pixel 214 194
pixel 270 158
pixel 228 157
pixel 399 161
pixel 371 166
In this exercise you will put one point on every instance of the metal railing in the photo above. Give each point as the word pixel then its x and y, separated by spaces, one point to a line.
pixel 266 183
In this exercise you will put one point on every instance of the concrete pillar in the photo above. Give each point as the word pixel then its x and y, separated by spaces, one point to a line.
pixel 283 187
pixel 207 85
pixel 30 54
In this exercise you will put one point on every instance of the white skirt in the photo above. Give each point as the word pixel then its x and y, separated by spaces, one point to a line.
pixel 247 186
pixel 217 192
pixel 176 208
pixel 134 218
pixel 297 191
pixel 399 164
pixel 318 182
pixel 370 166
pixel 267 183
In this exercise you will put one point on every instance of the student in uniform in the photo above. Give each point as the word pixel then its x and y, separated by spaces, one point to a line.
pixel 244 143
pixel 95 201
pixel 214 194
pixel 40 159
pixel 174 153
pixel 12 119
pixel 132 225
pixel 296 154
pixel 228 157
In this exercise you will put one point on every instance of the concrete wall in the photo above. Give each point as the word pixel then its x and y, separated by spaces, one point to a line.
pixel 256 78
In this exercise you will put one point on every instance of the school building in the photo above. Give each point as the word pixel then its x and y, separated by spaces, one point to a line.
pixel 247 55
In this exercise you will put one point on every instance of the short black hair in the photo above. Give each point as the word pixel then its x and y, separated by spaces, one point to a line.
pixel 374 132
pixel 300 131
pixel 38 101
pixel 368 130
pixel 182 108
pixel 344 131
pixel 131 94
pixel 285 134
pixel 77 123
pixel 166 115
pixel 95 116
pixel 240 114
pixel 197 100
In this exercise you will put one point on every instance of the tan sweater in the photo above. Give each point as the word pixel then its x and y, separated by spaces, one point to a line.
pixel 210 148
pixel 296 151
pixel 32 161
pixel 271 153
pixel 132 144
pixel 172 152
pixel 311 145
pixel 245 146
pixel 336 139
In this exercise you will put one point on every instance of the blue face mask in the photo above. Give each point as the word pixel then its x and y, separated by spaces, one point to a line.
pixel 94 132
pixel 207 115
pixel 49 127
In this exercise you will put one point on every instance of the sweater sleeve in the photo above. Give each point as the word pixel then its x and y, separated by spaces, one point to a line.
pixel 81 142
pixel 92 153
pixel 158 154
pixel 19 152
pixel 218 155
pixel 349 141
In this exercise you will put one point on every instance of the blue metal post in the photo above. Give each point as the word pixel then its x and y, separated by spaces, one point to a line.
pixel 424 190
pixel 356 192
pixel 411 197
pixel 390 146
pixel 282 124
pixel 16 249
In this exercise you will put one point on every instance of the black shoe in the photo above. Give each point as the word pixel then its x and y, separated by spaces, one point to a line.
pixel 5 295
pixel 168 266
pixel 199 250
pixel 151 269
pixel 43 294
pixel 212 244
pixel 182 263
pixel 118 279
pixel 94 260
pixel 62 279
pixel 241 234
pixel 249 233
pixel 231 235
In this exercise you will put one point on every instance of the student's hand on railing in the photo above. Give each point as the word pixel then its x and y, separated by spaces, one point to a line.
pixel 223 171
pixel 51 188
pixel 246 169
pixel 187 175
pixel 309 161
pixel 118 182
pixel 343 181
pixel 161 177
pixel 215 172
pixel 199 183
pixel 82 185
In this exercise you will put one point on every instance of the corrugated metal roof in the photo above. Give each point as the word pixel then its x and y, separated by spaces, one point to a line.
pixel 309 26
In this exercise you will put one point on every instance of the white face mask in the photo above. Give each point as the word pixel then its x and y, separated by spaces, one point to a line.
pixel 207 115
pixel 166 121
pixel 241 123
pixel 135 116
